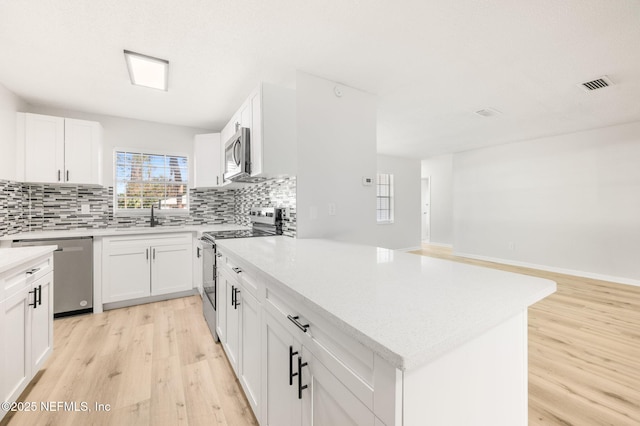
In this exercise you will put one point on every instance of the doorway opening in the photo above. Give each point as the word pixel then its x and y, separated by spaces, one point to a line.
pixel 426 209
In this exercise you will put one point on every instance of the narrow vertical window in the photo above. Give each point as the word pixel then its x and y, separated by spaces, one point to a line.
pixel 384 195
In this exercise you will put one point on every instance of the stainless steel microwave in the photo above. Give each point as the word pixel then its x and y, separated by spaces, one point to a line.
pixel 237 156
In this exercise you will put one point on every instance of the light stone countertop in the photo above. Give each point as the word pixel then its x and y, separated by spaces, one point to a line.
pixel 105 232
pixel 12 257
pixel 407 308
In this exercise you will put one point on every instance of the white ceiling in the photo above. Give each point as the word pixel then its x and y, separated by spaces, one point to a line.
pixel 430 63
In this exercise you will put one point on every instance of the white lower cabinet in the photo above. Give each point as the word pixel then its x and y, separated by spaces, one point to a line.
pixel 26 325
pixel 327 401
pixel 239 321
pixel 282 407
pixel 292 374
pixel 135 267
pixel 250 324
pixel 299 389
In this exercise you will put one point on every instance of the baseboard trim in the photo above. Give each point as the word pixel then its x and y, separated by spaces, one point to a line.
pixel 150 299
pixel 441 245
pixel 408 249
pixel 576 273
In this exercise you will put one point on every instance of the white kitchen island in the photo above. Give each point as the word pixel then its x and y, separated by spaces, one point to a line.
pixel 381 337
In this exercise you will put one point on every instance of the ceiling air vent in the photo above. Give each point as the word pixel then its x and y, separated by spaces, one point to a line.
pixel 598 83
pixel 488 112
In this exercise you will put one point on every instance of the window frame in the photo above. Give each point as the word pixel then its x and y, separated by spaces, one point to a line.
pixel 390 197
pixel 145 211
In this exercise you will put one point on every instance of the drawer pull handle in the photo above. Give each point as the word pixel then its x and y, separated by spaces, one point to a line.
pixel 236 270
pixel 300 387
pixel 218 254
pixel 39 294
pixel 32 271
pixel 294 320
pixel 291 373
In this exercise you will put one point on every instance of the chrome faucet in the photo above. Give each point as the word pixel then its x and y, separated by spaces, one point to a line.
pixel 154 221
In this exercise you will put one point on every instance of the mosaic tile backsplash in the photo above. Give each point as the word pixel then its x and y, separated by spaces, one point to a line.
pixel 36 207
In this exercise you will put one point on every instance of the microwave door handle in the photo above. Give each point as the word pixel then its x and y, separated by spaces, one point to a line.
pixel 237 148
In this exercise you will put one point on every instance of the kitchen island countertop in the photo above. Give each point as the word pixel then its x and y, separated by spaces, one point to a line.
pixel 409 309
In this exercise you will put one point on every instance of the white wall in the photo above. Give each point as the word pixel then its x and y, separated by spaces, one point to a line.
pixel 404 232
pixel 569 202
pixel 9 105
pixel 336 149
pixel 129 133
pixel 439 170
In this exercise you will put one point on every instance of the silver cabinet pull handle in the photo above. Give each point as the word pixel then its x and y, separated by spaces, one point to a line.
pixel 236 270
pixel 32 271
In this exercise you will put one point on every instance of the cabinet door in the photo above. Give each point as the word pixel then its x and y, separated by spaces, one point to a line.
pixel 82 151
pixel 126 272
pixel 44 148
pixel 281 406
pixel 42 322
pixel 16 344
pixel 171 269
pixel 222 304
pixel 250 349
pixel 326 401
pixel 208 160
pixel 232 344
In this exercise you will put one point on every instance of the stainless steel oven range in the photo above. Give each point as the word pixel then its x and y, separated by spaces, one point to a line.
pixel 265 221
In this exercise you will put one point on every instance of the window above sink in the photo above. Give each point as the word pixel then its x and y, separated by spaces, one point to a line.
pixel 143 179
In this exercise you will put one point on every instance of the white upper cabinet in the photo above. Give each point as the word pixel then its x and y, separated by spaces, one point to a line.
pixel 208 160
pixel 82 151
pixel 270 114
pixel 58 150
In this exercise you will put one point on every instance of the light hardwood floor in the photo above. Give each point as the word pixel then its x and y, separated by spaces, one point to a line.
pixel 584 350
pixel 155 364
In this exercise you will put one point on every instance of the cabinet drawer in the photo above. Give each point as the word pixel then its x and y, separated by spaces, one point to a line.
pixel 22 276
pixel 350 361
pixel 149 239
pixel 243 274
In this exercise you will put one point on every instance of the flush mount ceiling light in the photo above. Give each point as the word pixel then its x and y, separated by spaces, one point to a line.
pixel 147 71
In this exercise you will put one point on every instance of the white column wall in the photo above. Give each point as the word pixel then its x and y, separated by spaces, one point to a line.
pixel 336 149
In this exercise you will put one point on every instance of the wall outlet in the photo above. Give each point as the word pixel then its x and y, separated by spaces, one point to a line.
pixel 332 209
pixel 285 213
pixel 367 181
pixel 85 209
pixel 512 245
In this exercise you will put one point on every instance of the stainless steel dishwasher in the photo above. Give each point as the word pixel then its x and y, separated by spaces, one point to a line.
pixel 72 274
